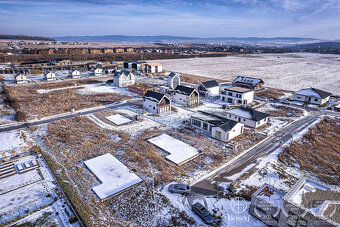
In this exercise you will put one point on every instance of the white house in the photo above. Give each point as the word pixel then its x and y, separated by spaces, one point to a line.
pixel 74 73
pixel 174 79
pixel 237 95
pixel 218 127
pixel 209 88
pixel 49 75
pixel 186 95
pixel 110 69
pixel 20 79
pixel 96 71
pixel 248 116
pixel 154 67
pixel 248 82
pixel 156 102
pixel 123 79
pixel 312 96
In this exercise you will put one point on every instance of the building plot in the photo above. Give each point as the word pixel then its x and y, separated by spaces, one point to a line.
pixel 179 152
pixel 114 176
pixel 118 119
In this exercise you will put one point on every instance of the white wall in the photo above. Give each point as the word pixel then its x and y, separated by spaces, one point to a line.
pixel 214 91
pixel 303 98
pixel 124 81
pixel 247 122
pixel 180 98
pixel 225 136
pixel 150 106
pixel 248 97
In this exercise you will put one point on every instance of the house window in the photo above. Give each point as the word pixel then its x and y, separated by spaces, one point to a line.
pixel 218 134
pixel 229 115
pixel 298 97
pixel 196 122
pixel 316 100
pixel 230 94
pixel 244 119
pixel 295 221
pixel 205 126
pixel 239 101
pixel 154 108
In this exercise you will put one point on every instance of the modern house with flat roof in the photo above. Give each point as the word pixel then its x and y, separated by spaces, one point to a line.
pixel 248 116
pixel 153 67
pixel 237 95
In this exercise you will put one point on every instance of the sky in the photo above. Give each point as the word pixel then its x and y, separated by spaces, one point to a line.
pixel 194 18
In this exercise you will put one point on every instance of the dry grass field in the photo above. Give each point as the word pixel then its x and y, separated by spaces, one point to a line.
pixel 317 152
pixel 30 104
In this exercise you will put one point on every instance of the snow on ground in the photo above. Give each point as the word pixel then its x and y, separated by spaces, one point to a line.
pixel 118 119
pixel 178 151
pixel 114 175
pixel 270 164
pixel 100 88
pixel 285 71
pixel 12 142
pixel 172 119
pixel 230 209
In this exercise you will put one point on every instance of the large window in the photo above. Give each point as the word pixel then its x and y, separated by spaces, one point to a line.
pixel 196 122
pixel 295 221
pixel 205 126
pixel 218 135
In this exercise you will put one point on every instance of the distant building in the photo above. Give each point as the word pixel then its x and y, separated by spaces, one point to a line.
pixel 111 69
pixel 20 79
pixel 156 102
pixel 123 79
pixel 96 71
pixel 237 95
pixel 308 203
pixel 186 96
pixel 218 127
pixel 62 62
pixel 312 96
pixel 128 49
pixel 49 75
pixel 135 65
pixel 141 89
pixel 248 82
pixel 154 67
pixel 248 116
pixel 119 50
pixel 95 51
pixel 209 88
pixel 174 79
pixel 73 73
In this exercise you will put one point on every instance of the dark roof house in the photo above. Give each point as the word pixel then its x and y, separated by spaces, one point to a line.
pixel 210 84
pixel 184 90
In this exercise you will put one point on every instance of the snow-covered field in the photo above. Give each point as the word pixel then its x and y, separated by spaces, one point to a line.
pixel 286 71
pixel 114 175
pixel 13 142
pixel 118 119
pixel 178 150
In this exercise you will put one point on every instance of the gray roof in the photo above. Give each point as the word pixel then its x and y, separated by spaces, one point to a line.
pixel 249 113
pixel 154 95
pixel 119 74
pixel 217 121
pixel 247 80
pixel 313 92
pixel 228 125
pixel 172 74
pixel 210 84
pixel 184 90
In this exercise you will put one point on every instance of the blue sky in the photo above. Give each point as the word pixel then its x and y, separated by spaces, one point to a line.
pixel 238 18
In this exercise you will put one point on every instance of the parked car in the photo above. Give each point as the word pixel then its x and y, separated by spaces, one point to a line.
pixel 179 188
pixel 203 213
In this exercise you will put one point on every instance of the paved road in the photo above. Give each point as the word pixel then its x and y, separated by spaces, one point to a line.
pixel 5 128
pixel 207 186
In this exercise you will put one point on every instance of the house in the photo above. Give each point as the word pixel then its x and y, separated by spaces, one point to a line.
pixel 135 65
pixel 248 116
pixel 74 73
pixel 20 79
pixel 61 62
pixel 237 95
pixel 248 82
pixel 154 67
pixel 128 49
pixel 209 88
pixel 156 102
pixel 49 75
pixel 111 69
pixel 218 127
pixel 123 79
pixel 96 71
pixel 174 79
pixel 186 95
pixel 312 96
pixel 140 89
pixel 308 203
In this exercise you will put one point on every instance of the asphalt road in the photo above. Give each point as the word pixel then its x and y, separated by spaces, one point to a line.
pixel 57 118
pixel 207 185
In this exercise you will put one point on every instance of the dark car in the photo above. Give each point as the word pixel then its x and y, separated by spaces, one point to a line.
pixel 203 213
pixel 179 188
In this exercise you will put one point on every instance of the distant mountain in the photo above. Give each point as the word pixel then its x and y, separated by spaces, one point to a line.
pixel 25 37
pixel 321 45
pixel 183 39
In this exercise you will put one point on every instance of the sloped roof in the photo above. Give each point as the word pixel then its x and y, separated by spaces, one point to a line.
pixel 313 92
pixel 119 74
pixel 210 84
pixel 155 96
pixel 184 90
pixel 249 113
pixel 172 74
pixel 154 64
pixel 228 125
pixel 247 80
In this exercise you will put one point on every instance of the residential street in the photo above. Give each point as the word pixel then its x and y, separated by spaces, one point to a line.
pixel 207 186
